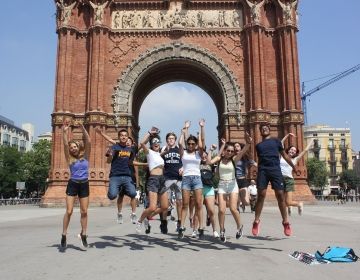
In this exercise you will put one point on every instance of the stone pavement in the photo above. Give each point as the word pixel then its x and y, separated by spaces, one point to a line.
pixel 30 236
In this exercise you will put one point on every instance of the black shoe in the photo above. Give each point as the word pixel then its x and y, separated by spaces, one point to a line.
pixel 208 221
pixel 222 236
pixel 239 233
pixel 83 240
pixel 163 227
pixel 63 243
pixel 201 233
pixel 147 226
pixel 243 207
pixel 181 232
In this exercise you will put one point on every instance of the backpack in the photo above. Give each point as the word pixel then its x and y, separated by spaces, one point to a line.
pixel 337 254
pixel 207 177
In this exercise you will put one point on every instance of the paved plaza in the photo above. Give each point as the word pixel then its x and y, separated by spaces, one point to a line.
pixel 30 236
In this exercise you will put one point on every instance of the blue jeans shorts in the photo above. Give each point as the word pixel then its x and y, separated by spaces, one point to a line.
pixel 191 183
pixel 123 184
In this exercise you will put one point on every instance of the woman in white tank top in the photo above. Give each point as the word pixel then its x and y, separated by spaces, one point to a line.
pixel 227 185
pixel 156 182
pixel 191 181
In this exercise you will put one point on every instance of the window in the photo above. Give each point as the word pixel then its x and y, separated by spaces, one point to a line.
pixel 22 145
pixel 315 134
pixel 331 143
pixel 6 140
pixel 342 134
pixel 14 142
pixel 331 134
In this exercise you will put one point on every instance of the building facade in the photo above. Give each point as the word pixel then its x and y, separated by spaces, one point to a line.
pixel 11 135
pixel 331 145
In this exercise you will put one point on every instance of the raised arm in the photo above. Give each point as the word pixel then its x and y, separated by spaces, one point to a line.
pixel 217 158
pixel 65 130
pixel 286 137
pixel 305 150
pixel 244 150
pixel 107 138
pixel 144 141
pixel 201 142
pixel 87 143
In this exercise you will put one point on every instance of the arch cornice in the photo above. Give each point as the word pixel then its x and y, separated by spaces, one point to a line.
pixel 214 67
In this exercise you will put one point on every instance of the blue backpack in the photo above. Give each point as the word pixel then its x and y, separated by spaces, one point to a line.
pixel 337 254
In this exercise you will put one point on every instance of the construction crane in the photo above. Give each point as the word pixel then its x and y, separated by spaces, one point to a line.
pixel 305 95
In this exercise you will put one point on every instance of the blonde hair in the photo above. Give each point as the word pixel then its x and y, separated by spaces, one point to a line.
pixel 81 148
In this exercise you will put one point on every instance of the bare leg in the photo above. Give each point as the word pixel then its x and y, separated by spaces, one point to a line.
pixel 199 206
pixel 185 205
pixel 210 208
pixel 69 210
pixel 84 204
pixel 280 196
pixel 260 203
pixel 234 212
pixel 222 209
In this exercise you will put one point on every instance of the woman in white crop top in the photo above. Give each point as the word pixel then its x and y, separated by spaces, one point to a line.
pixel 191 181
pixel 227 185
pixel 156 182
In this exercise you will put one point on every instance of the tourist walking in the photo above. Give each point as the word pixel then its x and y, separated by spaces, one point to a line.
pixel 76 156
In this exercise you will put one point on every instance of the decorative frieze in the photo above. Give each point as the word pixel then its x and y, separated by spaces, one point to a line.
pixel 235 50
pixel 119 49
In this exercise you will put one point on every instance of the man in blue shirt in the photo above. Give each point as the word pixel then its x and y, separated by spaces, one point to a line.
pixel 268 152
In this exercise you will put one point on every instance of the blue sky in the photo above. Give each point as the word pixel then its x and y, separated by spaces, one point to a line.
pixel 328 43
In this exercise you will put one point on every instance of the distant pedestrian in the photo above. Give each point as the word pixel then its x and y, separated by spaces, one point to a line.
pixel 76 156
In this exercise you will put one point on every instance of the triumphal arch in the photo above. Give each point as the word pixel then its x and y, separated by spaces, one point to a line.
pixel 112 54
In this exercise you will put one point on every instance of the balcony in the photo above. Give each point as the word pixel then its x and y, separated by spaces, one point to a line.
pixel 332 160
pixel 343 147
pixel 331 147
pixel 344 161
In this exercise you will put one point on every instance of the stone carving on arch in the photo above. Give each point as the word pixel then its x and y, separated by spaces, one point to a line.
pixel 123 91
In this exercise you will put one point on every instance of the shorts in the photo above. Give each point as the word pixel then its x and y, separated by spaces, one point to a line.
pixel 273 176
pixel 227 187
pixel 289 184
pixel 174 186
pixel 242 183
pixel 191 183
pixel 121 184
pixel 156 184
pixel 208 191
pixel 80 189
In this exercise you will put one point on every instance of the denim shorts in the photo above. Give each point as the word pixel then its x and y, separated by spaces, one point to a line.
pixel 191 183
pixel 228 187
pixel 156 184
pixel 121 184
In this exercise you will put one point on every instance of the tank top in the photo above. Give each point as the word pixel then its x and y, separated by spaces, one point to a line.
pixel 154 159
pixel 286 169
pixel 191 163
pixel 79 169
pixel 226 171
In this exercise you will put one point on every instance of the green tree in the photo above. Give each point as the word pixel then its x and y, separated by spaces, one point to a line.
pixel 10 166
pixel 36 166
pixel 350 178
pixel 317 173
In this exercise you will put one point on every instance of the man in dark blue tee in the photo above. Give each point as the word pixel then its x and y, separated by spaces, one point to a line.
pixel 269 151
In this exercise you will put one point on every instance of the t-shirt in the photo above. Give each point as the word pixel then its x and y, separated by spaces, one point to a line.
pixel 268 152
pixel 173 163
pixel 241 166
pixel 252 189
pixel 121 161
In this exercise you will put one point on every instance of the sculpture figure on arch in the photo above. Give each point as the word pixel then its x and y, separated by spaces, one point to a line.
pixel 98 11
pixel 64 11
pixel 287 8
pixel 255 10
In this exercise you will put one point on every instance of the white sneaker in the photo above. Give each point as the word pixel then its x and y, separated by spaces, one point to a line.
pixel 138 227
pixel 133 218
pixel 216 234
pixel 194 234
pixel 120 218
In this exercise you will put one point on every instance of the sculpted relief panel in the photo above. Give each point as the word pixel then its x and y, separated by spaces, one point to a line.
pixel 176 18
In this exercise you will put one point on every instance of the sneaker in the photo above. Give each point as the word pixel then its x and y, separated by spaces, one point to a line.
pixel 194 234
pixel 181 232
pixel 201 233
pixel 147 226
pixel 120 218
pixel 216 234
pixel 256 228
pixel 239 233
pixel 289 210
pixel 222 236
pixel 83 240
pixel 300 208
pixel 63 243
pixel 133 218
pixel 287 229
pixel 178 224
pixel 163 227
pixel 207 221
pixel 138 227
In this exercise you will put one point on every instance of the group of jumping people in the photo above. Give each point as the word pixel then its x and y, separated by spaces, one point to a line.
pixel 196 176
